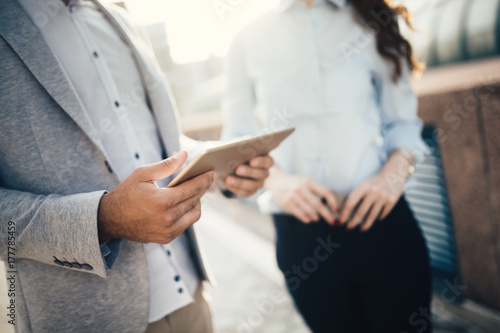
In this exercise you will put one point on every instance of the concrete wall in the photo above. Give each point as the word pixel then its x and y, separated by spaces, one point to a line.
pixel 463 103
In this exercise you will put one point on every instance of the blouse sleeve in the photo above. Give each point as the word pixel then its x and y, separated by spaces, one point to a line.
pixel 238 105
pixel 401 127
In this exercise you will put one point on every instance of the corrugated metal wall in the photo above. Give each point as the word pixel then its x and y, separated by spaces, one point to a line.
pixel 429 202
pixel 453 31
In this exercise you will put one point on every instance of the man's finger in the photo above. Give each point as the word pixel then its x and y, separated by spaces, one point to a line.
pixel 176 212
pixel 196 186
pixel 162 169
pixel 186 220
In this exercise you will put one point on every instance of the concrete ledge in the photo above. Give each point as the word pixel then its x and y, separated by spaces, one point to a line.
pixel 457 77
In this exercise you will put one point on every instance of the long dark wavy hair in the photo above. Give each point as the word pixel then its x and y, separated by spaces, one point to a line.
pixel 390 43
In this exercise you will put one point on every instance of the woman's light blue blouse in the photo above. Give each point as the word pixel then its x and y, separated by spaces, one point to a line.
pixel 316 69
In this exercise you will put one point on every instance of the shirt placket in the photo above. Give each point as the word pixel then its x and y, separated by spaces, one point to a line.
pixel 120 110
pixel 176 276
pixel 125 124
pixel 317 76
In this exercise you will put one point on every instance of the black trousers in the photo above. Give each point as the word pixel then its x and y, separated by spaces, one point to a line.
pixel 349 282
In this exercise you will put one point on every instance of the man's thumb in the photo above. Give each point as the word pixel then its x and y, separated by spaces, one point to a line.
pixel 165 168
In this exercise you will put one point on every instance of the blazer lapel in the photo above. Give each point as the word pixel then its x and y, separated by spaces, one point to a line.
pixel 26 40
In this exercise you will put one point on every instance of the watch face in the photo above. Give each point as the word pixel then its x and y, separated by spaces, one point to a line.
pixel 406 153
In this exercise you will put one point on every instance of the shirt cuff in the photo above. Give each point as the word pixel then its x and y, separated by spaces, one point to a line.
pixel 110 250
pixel 228 194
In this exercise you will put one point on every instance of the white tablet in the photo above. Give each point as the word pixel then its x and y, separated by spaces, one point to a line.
pixel 225 158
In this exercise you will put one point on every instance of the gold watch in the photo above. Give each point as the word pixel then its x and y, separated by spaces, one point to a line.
pixel 408 155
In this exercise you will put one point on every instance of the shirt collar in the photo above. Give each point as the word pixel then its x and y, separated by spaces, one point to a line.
pixel 284 5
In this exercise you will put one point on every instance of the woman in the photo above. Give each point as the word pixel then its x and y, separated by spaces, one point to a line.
pixel 337 71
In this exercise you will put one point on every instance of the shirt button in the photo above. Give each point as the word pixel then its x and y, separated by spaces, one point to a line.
pixel 177 278
pixel 117 104
pixel 137 155
pixel 96 55
pixel 168 253
pixel 108 166
pixel 180 290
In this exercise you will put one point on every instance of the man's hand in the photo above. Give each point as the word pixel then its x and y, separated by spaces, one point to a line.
pixel 137 209
pixel 250 178
pixel 302 197
pixel 377 196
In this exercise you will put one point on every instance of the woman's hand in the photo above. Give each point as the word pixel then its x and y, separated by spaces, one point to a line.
pixel 250 178
pixel 302 197
pixel 376 197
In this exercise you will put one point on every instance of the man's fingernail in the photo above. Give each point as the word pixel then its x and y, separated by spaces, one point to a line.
pixel 178 154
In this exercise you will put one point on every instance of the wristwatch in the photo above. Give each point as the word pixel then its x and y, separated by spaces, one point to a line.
pixel 408 155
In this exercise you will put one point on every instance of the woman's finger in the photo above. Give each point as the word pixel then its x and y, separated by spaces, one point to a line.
pixel 351 202
pixel 316 203
pixel 362 211
pixel 250 172
pixel 237 184
pixel 263 162
pixel 387 209
pixel 308 210
pixel 373 216
pixel 325 193
pixel 298 213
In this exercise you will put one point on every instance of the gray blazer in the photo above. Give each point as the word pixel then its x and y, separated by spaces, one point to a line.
pixel 53 173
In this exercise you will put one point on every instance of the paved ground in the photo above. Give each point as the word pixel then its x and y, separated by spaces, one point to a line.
pixel 240 247
pixel 250 296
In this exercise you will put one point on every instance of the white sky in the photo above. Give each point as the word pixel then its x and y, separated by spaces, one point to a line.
pixel 195 28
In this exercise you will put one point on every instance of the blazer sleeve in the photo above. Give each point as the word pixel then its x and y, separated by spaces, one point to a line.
pixel 53 229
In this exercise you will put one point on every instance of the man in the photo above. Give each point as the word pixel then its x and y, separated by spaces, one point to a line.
pixel 92 239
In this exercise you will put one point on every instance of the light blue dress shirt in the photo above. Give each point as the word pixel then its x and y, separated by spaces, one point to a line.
pixel 102 70
pixel 316 69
